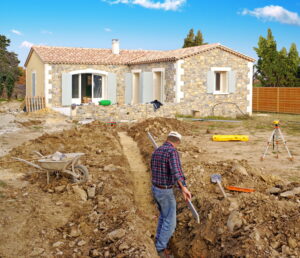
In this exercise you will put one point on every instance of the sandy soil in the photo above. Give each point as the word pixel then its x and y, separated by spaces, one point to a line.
pixel 113 215
pixel 251 151
pixel 18 127
pixel 260 224
pixel 100 218
pixel 141 180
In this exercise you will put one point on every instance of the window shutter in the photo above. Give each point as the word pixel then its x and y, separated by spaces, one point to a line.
pixel 128 88
pixel 112 87
pixel 231 81
pixel 211 81
pixel 33 82
pixel 66 89
pixel 147 87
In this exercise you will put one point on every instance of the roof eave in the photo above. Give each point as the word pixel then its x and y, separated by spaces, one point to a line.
pixel 28 57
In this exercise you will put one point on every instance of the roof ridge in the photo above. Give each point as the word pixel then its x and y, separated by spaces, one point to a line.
pixel 52 54
pixel 93 48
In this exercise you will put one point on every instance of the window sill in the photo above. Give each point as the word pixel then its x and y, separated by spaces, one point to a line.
pixel 221 93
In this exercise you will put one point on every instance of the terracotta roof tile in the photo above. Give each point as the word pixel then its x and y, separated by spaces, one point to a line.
pixel 69 55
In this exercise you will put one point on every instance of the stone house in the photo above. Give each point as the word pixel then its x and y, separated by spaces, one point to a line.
pixel 196 79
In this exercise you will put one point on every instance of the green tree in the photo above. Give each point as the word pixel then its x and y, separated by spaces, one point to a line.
pixel 267 59
pixel 282 64
pixel 276 68
pixel 189 40
pixel 192 40
pixel 199 39
pixel 9 71
pixel 293 63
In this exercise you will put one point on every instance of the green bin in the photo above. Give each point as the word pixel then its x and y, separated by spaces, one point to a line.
pixel 104 102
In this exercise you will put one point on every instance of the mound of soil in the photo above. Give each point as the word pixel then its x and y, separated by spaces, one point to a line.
pixel 30 122
pixel 95 219
pixel 265 223
pixel 159 129
pixel 100 218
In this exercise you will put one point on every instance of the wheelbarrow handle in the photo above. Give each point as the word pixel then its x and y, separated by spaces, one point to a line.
pixel 28 162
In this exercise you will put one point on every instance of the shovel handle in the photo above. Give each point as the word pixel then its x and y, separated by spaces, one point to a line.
pixel 222 189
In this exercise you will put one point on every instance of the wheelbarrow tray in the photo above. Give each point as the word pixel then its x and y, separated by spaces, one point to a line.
pixel 59 165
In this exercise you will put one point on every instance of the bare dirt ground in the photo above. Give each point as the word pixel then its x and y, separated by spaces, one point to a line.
pixel 113 215
pixel 17 127
pixel 265 223
pixel 99 218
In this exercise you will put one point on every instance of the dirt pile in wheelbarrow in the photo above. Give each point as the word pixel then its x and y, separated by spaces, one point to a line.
pixel 62 219
pixel 265 223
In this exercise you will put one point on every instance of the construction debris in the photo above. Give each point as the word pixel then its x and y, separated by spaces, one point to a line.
pixel 100 218
pixel 259 224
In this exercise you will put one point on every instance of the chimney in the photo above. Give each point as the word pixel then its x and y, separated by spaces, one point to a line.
pixel 115 47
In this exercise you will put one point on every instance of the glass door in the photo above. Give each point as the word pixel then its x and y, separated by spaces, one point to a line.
pixel 97 92
pixel 76 92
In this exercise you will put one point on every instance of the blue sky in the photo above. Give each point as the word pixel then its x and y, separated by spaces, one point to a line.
pixel 147 24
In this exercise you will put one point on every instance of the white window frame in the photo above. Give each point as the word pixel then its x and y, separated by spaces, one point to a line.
pixel 163 82
pixel 93 72
pixel 33 88
pixel 132 82
pixel 221 69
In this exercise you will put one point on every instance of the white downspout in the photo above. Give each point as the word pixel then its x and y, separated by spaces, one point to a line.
pixel 250 88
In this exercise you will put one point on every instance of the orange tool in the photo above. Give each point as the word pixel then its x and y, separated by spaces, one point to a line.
pixel 239 189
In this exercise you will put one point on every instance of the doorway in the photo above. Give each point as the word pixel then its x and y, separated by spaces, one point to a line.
pixel 136 88
pixel 87 87
pixel 158 86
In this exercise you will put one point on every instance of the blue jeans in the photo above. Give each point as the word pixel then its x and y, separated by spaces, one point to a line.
pixel 166 203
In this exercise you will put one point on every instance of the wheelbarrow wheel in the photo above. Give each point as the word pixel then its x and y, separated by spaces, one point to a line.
pixel 82 174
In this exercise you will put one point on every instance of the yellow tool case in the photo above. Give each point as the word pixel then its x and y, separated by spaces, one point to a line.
pixel 227 138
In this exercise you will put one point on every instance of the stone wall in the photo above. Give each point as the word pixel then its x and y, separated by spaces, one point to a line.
pixel 195 83
pixel 57 70
pixel 117 113
pixel 192 83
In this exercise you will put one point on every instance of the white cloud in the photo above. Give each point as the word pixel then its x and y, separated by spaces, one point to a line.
pixel 274 13
pixel 167 5
pixel 26 44
pixel 107 29
pixel 46 32
pixel 16 32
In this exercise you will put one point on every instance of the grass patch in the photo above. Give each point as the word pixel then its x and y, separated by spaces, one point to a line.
pixel 2 184
pixel 217 118
pixel 294 178
pixel 183 116
pixel 3 100
pixel 37 127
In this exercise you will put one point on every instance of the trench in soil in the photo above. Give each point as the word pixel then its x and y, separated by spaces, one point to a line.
pixel 142 182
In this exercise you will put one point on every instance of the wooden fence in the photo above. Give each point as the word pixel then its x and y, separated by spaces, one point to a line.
pixel 34 103
pixel 279 99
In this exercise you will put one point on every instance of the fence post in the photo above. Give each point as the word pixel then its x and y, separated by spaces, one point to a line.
pixel 257 99
pixel 277 100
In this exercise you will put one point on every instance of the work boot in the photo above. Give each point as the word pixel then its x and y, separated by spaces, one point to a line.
pixel 166 253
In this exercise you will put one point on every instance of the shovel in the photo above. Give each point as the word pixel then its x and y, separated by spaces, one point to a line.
pixel 216 178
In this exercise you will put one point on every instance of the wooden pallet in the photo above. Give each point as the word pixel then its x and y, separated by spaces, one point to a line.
pixel 34 103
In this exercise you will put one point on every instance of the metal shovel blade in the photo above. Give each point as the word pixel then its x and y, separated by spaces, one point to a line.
pixel 193 210
pixel 215 178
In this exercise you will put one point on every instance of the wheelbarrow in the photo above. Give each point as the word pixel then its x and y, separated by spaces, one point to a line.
pixel 66 163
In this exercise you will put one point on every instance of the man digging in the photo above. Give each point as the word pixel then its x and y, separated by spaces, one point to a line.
pixel 167 172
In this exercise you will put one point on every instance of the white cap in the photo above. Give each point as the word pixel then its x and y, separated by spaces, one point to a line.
pixel 175 134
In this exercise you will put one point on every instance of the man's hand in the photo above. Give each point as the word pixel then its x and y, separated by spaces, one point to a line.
pixel 186 193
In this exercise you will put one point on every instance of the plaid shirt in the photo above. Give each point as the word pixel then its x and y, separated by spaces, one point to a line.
pixel 166 166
